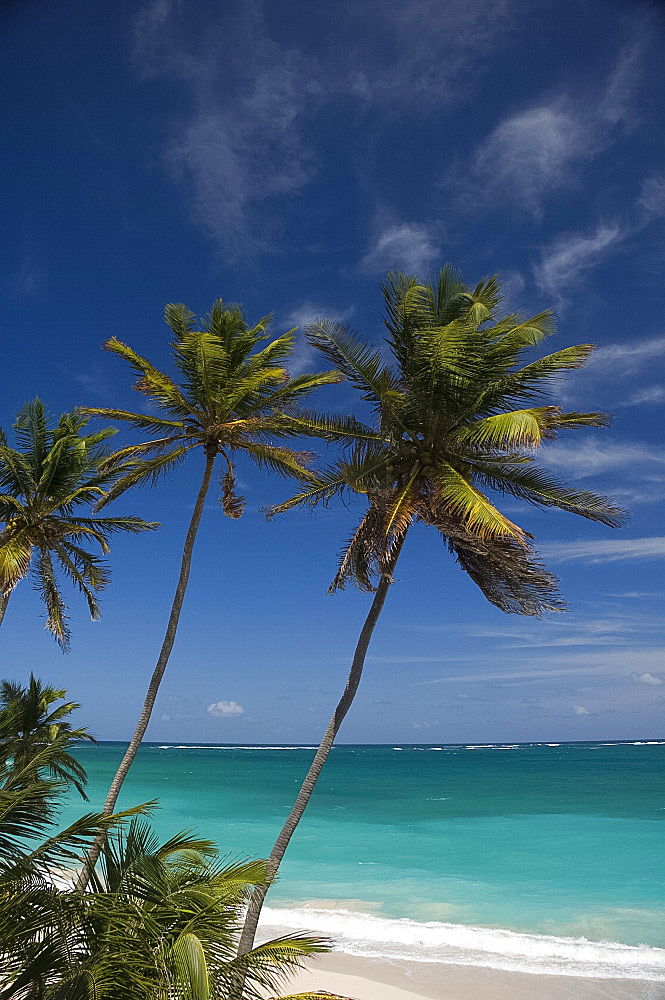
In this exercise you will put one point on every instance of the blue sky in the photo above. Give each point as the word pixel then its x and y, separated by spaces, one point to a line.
pixel 284 156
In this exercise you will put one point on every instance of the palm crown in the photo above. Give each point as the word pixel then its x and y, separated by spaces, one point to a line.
pixel 31 721
pixel 458 414
pixel 231 397
pixel 44 483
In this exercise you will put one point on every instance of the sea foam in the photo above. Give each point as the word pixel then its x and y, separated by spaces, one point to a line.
pixel 371 936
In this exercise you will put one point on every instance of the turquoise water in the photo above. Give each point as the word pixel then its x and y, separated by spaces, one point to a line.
pixel 440 852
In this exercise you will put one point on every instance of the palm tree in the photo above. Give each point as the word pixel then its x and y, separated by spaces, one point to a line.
pixel 44 483
pixel 447 412
pixel 30 722
pixel 161 921
pixel 232 398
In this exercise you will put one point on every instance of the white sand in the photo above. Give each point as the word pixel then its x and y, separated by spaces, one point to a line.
pixel 374 979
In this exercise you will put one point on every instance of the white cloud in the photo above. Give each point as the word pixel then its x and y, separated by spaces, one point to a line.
pixel 239 143
pixel 591 458
pixel 646 678
pixel 308 312
pixel 606 550
pixel 610 368
pixel 618 102
pixel 531 152
pixel 223 708
pixel 639 594
pixel 408 246
pixel 305 358
pixel 627 358
pixel 652 197
pixel 580 710
pixel 243 142
pixel 643 397
pixel 437 55
pixel 568 259
pixel 542 148
pixel 232 158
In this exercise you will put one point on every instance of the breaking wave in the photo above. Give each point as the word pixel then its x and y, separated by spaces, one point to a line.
pixel 456 944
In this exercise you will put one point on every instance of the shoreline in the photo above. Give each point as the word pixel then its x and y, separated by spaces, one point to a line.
pixel 429 951
pixel 382 979
pixel 360 978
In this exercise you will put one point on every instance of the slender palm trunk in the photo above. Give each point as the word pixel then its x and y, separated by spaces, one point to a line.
pixel 158 673
pixel 4 601
pixel 307 787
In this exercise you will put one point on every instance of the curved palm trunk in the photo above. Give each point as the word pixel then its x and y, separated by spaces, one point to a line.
pixel 307 787
pixel 158 673
pixel 4 601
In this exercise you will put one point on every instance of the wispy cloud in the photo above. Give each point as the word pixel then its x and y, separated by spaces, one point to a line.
pixel 607 374
pixel 603 668
pixel 94 381
pixel 240 148
pixel 566 261
pixel 617 104
pixel 605 550
pixel 651 394
pixel 304 357
pixel 572 255
pixel 638 470
pixel 629 357
pixel 432 51
pixel 651 201
pixel 309 312
pixel 499 675
pixel 531 153
pixel 542 148
pixel 639 594
pixel 241 143
pixel 408 246
pixel 589 457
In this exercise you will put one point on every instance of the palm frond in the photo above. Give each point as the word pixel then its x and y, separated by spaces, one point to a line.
pixel 284 461
pixel 45 583
pixel 541 489
pixel 509 575
pixel 363 366
pixel 528 427
pixel 147 471
pixel 140 421
pixel 233 505
pixel 475 511
pixel 151 382
pixel 15 555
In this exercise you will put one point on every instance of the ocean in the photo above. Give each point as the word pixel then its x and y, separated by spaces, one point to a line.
pixel 544 858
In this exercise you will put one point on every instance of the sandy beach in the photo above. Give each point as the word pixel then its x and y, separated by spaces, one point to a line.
pixel 382 979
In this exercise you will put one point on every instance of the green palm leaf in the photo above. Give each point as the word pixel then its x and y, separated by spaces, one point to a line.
pixel 59 471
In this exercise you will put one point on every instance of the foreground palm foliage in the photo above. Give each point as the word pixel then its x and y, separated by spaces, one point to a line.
pixel 159 920
pixel 460 416
pixel 234 396
pixel 44 483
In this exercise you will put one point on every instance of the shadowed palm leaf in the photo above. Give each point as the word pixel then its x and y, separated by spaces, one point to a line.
pixel 158 921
